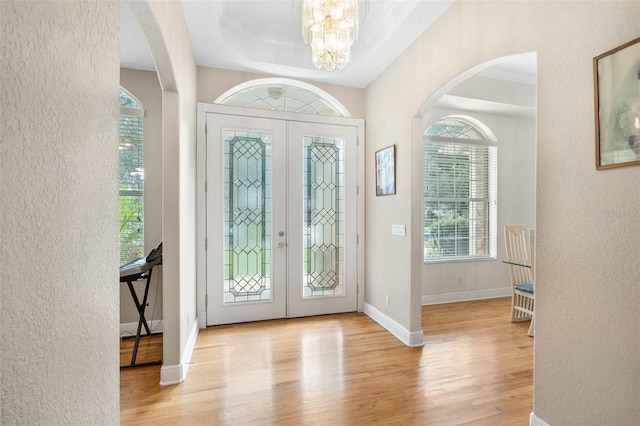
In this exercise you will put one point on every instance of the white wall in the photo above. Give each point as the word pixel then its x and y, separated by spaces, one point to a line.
pixel 145 87
pixel 59 205
pixel 588 278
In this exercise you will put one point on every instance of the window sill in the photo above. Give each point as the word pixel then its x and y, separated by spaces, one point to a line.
pixel 459 260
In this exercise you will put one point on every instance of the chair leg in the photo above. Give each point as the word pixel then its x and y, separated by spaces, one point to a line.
pixel 530 332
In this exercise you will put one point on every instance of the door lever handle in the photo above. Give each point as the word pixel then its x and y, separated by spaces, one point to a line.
pixel 281 245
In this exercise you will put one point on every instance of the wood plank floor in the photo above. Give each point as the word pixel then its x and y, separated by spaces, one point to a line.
pixel 475 368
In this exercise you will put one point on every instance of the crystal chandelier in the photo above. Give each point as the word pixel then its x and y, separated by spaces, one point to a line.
pixel 330 27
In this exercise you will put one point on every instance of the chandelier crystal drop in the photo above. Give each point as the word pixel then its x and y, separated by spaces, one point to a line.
pixel 330 27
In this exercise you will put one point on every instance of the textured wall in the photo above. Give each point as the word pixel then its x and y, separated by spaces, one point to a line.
pixel 587 353
pixel 59 201
pixel 588 278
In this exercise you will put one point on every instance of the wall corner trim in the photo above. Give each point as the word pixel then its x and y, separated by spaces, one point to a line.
pixel 412 339
pixel 536 421
pixel 174 374
pixel 202 319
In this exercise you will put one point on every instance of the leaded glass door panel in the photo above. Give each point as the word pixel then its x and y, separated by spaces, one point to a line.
pixel 322 219
pixel 246 255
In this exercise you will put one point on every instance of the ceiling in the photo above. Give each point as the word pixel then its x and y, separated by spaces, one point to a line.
pixel 263 36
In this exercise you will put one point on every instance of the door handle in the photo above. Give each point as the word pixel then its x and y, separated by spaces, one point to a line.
pixel 281 245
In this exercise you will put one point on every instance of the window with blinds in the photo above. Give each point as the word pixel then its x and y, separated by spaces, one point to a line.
pixel 460 188
pixel 131 175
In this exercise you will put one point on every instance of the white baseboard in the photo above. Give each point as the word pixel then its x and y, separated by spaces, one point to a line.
pixel 174 374
pixel 131 328
pixel 411 339
pixel 463 296
pixel 536 421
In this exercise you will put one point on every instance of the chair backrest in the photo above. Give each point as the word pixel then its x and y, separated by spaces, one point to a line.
pixel 532 252
pixel 518 245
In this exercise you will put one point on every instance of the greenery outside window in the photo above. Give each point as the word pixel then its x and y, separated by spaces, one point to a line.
pixel 131 174
pixel 460 188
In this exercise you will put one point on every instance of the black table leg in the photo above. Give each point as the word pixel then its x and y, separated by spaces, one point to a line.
pixel 142 321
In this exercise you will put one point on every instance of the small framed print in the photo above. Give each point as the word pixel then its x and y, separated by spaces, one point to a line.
pixel 386 171
pixel 617 106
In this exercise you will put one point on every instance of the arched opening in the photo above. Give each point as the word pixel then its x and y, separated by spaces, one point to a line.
pixel 485 98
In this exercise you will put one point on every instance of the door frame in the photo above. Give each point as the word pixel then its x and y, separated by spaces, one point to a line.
pixel 201 200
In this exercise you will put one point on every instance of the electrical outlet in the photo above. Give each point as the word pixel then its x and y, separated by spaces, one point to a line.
pixel 400 230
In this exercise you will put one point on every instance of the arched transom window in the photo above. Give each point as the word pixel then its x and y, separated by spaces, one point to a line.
pixel 281 94
pixel 460 189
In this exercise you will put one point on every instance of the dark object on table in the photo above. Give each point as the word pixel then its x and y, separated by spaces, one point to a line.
pixel 141 269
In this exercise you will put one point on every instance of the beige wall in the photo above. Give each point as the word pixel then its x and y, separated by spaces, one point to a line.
pixel 145 87
pixel 213 82
pixel 587 337
pixel 59 202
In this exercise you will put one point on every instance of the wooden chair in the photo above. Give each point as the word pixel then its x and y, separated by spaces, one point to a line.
pixel 520 245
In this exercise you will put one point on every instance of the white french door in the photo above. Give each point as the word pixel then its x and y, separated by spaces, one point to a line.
pixel 281 218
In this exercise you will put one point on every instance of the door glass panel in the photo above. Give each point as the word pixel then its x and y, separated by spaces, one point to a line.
pixel 247 217
pixel 323 221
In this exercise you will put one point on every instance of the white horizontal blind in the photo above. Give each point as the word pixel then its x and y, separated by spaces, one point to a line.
pixel 460 207
pixel 131 179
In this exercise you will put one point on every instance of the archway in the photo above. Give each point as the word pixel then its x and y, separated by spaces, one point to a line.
pixel 510 113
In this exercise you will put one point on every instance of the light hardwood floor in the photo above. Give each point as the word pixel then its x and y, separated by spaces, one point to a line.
pixel 475 368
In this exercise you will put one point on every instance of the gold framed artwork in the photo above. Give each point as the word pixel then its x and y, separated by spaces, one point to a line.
pixel 617 106
pixel 386 171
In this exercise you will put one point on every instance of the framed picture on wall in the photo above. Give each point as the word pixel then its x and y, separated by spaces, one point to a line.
pixel 617 106
pixel 386 171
